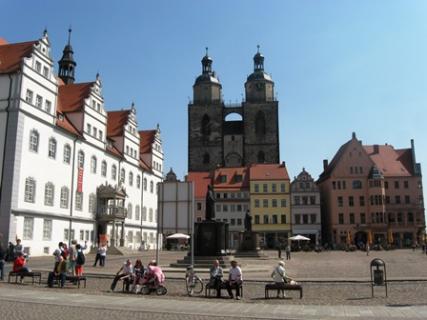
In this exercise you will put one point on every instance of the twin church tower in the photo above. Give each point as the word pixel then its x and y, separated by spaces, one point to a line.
pixel 215 141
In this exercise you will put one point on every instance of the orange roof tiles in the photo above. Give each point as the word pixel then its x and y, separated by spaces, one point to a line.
pixel 389 161
pixel 116 120
pixel 3 41
pixel 268 172
pixel 114 151
pixel 146 140
pixel 144 166
pixel 11 55
pixel 235 178
pixel 63 122
pixel 201 182
pixel 71 96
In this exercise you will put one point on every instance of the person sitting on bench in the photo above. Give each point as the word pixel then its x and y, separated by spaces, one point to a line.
pixel 234 280
pixel 125 274
pixel 19 264
pixel 280 278
pixel 215 280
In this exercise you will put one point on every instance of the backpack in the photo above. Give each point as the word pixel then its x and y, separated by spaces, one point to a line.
pixel 80 258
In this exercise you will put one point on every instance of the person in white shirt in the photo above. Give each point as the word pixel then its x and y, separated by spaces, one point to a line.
pixel 235 280
pixel 279 277
pixel 124 273
pixel 216 275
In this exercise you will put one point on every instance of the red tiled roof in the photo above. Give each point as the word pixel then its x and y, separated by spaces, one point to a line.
pixel 71 96
pixel 231 181
pixel 116 120
pixel 11 55
pixel 114 151
pixel 201 182
pixel 146 140
pixel 63 122
pixel 268 172
pixel 3 41
pixel 144 165
pixel 391 162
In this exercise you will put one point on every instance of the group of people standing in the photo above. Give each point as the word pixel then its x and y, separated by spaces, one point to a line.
pixel 16 254
pixel 68 260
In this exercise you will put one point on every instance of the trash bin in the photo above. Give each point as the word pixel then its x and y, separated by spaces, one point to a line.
pixel 378 275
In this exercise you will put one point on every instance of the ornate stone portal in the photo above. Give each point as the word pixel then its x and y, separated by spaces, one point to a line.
pixel 111 210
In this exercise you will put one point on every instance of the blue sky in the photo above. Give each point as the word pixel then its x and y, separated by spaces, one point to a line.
pixel 339 66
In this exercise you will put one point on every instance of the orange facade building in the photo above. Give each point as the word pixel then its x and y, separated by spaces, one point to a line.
pixel 372 194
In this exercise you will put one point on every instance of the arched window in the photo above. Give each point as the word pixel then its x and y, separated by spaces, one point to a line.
pixel 64 197
pixel 129 215
pixel 261 157
pixel 93 164
pixel 137 213
pixel 131 179
pixel 138 181
pixel 92 203
pixel 113 172
pixel 81 159
pixel 104 168
pixel 260 123
pixel 52 148
pixel 30 190
pixel 122 175
pixel 145 184
pixel 49 194
pixel 151 186
pixel 67 154
pixel 34 141
pixel 206 130
pixel 206 158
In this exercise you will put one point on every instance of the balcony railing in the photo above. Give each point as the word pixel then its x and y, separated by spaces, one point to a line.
pixel 108 212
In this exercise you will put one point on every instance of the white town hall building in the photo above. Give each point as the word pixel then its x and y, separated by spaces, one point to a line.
pixel 70 169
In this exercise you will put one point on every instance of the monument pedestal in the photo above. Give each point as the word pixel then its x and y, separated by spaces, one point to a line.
pixel 249 246
pixel 210 238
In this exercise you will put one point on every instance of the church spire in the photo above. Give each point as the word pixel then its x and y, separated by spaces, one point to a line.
pixel 207 63
pixel 67 65
pixel 258 61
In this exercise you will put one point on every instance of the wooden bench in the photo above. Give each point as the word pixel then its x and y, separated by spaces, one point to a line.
pixel 31 275
pixel 75 279
pixel 223 286
pixel 284 287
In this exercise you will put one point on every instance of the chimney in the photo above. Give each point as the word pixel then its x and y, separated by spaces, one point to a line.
pixel 283 164
pixel 353 135
pixel 325 164
pixel 376 148
pixel 414 161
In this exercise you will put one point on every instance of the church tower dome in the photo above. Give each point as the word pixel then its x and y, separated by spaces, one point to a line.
pixel 259 85
pixel 207 88
pixel 67 65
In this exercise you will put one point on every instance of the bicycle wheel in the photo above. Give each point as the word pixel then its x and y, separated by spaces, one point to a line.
pixel 198 285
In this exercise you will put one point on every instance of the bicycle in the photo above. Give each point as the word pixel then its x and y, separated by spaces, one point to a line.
pixel 193 283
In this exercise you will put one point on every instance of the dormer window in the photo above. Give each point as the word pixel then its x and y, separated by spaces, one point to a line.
pixel 222 178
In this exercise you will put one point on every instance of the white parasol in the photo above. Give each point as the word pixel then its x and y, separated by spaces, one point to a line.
pixel 178 236
pixel 299 237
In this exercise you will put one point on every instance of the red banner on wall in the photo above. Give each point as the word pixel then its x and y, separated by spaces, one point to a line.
pixel 80 180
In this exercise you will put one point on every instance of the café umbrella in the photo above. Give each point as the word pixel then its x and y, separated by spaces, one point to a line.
pixel 178 236
pixel 299 237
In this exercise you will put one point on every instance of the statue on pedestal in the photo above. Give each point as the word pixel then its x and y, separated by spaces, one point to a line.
pixel 210 204
pixel 248 221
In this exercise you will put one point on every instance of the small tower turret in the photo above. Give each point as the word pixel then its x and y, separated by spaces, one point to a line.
pixel 259 86
pixel 67 65
pixel 207 88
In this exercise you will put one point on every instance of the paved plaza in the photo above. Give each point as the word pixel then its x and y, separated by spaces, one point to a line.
pixel 335 286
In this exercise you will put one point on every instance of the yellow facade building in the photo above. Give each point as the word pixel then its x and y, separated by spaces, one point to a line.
pixel 270 203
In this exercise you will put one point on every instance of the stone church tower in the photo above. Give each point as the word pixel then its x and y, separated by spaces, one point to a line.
pixel 215 141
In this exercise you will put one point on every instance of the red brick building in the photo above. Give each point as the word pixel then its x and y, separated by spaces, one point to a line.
pixel 372 192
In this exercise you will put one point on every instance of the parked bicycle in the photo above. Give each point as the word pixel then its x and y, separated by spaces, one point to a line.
pixel 193 283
